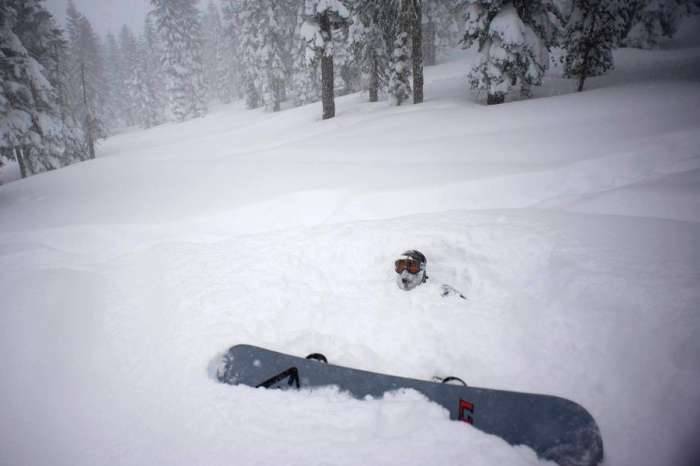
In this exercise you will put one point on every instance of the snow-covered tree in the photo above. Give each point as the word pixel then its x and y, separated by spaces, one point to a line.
pixel 593 29
pixel 400 71
pixel 371 35
pixel 272 58
pixel 305 87
pixel 216 69
pixel 86 89
pixel 247 15
pixel 513 39
pixel 399 87
pixel 321 18
pixel 38 32
pixel 178 23
pixel 387 39
pixel 141 82
pixel 151 71
pixel 32 130
pixel 232 54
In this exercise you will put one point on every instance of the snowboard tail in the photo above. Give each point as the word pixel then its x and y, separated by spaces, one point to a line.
pixel 557 429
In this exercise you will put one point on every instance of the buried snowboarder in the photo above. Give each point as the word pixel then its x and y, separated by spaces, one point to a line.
pixel 555 428
pixel 411 271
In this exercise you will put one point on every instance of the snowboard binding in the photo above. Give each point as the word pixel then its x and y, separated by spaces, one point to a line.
pixel 451 380
pixel 318 357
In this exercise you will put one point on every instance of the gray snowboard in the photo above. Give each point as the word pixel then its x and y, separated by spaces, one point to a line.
pixel 555 428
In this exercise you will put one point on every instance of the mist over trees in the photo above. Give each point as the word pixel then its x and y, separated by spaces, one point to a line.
pixel 649 21
pixel 65 87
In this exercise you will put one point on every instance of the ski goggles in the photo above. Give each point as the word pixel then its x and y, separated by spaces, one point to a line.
pixel 407 264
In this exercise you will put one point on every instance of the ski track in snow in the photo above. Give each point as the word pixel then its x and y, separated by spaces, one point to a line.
pixel 574 230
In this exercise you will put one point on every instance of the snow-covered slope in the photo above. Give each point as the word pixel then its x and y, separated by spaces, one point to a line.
pixel 571 222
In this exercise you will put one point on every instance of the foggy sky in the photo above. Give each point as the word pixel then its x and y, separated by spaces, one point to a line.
pixel 105 15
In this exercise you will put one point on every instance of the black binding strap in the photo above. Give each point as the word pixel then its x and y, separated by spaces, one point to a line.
pixel 292 373
pixel 454 379
pixel 318 357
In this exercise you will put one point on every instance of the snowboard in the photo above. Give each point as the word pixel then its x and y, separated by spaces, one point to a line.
pixel 557 429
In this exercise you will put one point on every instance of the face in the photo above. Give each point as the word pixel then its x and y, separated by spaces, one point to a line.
pixel 408 281
pixel 409 277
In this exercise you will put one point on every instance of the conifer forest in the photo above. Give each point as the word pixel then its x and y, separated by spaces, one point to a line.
pixel 67 86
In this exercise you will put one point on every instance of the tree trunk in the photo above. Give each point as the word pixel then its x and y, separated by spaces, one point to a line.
pixel 19 155
pixel 327 78
pixel 252 100
pixel 429 47
pixel 417 52
pixel 88 120
pixel 374 80
pixel 277 91
pixel 494 99
pixel 580 83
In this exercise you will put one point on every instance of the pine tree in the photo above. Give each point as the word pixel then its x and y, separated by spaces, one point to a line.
pixel 513 38
pixel 399 86
pixel 372 33
pixel 232 51
pixel 213 57
pixel 179 26
pixel 388 40
pixel 322 17
pixel 247 14
pixel 400 72
pixel 593 30
pixel 305 87
pixel 151 70
pixel 221 51
pixel 273 55
pixel 86 92
pixel 38 32
pixel 141 95
pixel 32 131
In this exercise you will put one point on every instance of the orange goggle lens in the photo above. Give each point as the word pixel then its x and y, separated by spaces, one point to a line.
pixel 406 264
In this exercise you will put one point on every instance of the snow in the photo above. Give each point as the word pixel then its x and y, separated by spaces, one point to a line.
pixel 9 172
pixel 570 221
pixel 508 26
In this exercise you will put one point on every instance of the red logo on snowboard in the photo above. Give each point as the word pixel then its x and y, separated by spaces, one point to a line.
pixel 466 407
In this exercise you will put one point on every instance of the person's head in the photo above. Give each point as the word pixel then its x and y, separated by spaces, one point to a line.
pixel 410 269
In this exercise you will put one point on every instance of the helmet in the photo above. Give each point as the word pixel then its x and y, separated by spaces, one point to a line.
pixel 416 256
